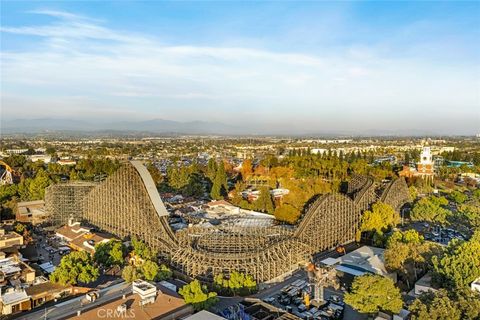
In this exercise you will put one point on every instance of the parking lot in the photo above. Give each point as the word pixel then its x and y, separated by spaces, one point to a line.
pixel 291 298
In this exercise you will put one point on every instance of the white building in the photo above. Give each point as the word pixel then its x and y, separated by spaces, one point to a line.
pixel 475 286
pixel 146 291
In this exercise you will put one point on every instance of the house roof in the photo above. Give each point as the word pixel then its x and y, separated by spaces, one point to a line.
pixel 71 232
pixel 45 288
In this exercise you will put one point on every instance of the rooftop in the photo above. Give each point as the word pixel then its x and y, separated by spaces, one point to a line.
pixel 204 315
pixel 366 258
pixel 166 303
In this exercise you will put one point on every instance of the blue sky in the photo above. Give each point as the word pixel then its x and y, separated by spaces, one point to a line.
pixel 279 65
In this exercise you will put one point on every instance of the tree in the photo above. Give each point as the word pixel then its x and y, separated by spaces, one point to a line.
pixel 379 219
pixel 142 250
pixel 164 273
pixel 155 173
pixel 287 213
pixel 264 202
pixel 430 209
pixel 247 169
pixel 150 270
pixel 460 263
pixel 198 296
pixel 109 253
pixel 413 193
pixel 445 305
pixel 457 197
pixel 75 267
pixel 235 283
pixel 406 252
pixel 373 293
pixel 217 188
pixel 37 185
pixel 130 273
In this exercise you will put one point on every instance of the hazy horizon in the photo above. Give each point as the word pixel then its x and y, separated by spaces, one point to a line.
pixel 271 66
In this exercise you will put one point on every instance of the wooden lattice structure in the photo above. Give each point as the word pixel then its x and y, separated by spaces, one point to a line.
pixel 66 200
pixel 126 205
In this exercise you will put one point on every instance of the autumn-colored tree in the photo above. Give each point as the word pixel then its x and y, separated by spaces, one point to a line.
pixel 247 169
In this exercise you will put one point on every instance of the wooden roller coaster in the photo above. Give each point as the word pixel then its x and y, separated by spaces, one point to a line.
pixel 125 205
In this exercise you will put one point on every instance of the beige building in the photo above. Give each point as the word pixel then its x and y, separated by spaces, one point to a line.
pixel 31 212
pixel 10 239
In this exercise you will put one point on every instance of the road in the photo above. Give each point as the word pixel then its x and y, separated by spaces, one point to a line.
pixel 70 307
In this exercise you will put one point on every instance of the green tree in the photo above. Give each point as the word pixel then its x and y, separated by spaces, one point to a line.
pixel 445 305
pixel 131 273
pixel 264 202
pixel 150 270
pixel 109 253
pixel 406 252
pixel 164 273
pixel 217 188
pixel 379 219
pixel 460 263
pixel 430 209
pixel 373 293
pixel 37 185
pixel 235 283
pixel 457 197
pixel 75 267
pixel 198 296
pixel 142 250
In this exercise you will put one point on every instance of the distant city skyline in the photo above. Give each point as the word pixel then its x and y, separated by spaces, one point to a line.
pixel 273 66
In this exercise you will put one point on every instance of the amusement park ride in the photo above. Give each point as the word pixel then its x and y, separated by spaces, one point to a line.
pixel 6 173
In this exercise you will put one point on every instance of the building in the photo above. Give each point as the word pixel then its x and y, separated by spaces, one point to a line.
pixel 16 151
pixel 14 300
pixel 66 162
pixel 424 284
pixel 425 167
pixel 167 305
pixel 81 238
pixel 31 212
pixel 46 292
pixel 204 315
pixel 10 240
pixel 361 261
pixel 145 290
pixel 40 157
pixel 475 286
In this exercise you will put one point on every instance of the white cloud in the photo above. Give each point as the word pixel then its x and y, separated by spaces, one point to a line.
pixel 137 72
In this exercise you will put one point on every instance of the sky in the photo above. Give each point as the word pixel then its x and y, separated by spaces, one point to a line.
pixel 277 65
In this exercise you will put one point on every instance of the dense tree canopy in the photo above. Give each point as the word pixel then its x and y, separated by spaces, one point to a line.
pixel 460 263
pixel 75 267
pixel 373 293
pixel 131 273
pixel 142 250
pixel 198 296
pixel 457 197
pixel 407 253
pixel 110 253
pixel 430 209
pixel 379 219
pixel 235 283
pixel 447 305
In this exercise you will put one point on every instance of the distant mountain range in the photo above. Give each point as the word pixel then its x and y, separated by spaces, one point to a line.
pixel 170 127
pixel 158 126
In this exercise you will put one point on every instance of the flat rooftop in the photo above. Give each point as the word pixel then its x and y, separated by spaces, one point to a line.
pixel 165 304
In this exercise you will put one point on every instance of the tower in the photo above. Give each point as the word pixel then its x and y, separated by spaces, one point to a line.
pixel 425 165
